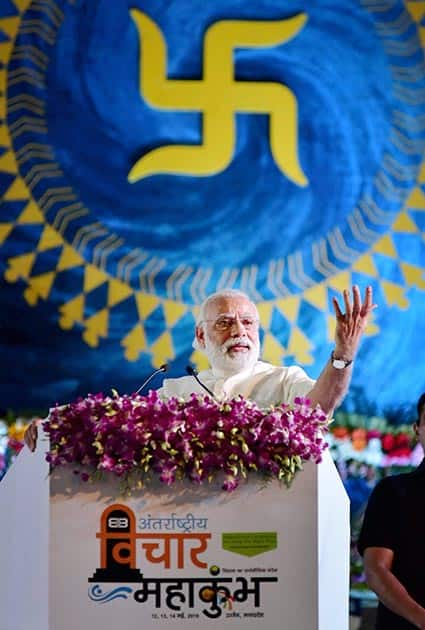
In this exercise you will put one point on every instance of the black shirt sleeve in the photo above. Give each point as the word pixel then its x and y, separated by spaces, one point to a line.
pixel 380 523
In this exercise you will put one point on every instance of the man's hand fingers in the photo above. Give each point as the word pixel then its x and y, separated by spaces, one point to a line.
pixel 31 435
pixel 368 305
pixel 347 302
pixel 338 313
pixel 357 303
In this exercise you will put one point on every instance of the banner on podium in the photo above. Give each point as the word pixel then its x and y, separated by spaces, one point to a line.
pixel 170 556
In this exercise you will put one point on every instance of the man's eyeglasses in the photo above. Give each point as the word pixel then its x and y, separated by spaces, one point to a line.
pixel 222 324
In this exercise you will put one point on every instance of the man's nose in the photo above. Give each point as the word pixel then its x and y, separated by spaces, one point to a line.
pixel 237 327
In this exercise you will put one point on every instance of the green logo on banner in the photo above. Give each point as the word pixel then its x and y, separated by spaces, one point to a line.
pixel 249 543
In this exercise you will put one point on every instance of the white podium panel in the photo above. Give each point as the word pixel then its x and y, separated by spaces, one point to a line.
pixel 185 555
pixel 24 539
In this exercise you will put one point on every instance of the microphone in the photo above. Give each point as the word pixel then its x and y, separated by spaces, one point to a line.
pixel 163 368
pixel 192 372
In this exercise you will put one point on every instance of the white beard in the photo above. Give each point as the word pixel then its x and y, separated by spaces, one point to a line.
pixel 221 360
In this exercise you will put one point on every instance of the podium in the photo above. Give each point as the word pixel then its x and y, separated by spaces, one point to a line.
pixel 77 555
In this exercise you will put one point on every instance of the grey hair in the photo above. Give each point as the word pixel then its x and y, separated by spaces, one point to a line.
pixel 223 293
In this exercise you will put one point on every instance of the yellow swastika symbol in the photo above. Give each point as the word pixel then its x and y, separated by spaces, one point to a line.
pixel 218 96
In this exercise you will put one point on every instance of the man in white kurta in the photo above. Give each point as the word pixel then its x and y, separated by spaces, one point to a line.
pixel 227 331
pixel 263 383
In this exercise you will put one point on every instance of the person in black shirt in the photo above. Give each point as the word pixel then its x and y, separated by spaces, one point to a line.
pixel 392 543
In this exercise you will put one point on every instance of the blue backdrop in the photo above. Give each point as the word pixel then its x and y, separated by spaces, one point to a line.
pixel 102 271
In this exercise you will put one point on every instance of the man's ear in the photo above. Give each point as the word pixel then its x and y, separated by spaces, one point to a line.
pixel 200 336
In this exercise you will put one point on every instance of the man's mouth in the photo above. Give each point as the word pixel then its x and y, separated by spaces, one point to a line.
pixel 238 347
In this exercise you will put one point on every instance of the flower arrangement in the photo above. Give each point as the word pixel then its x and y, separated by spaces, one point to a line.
pixel 136 437
pixel 373 441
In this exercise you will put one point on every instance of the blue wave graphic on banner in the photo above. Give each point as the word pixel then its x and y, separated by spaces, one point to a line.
pixel 96 593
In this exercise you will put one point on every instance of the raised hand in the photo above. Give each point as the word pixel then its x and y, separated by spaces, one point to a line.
pixel 350 325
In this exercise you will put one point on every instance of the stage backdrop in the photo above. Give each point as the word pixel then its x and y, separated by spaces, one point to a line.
pixel 154 151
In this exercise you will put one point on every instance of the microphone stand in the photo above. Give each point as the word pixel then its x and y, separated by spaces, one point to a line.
pixel 192 372
pixel 163 368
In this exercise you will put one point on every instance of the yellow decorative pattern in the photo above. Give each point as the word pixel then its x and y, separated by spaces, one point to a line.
pixel 162 350
pixel 218 96
pixel 272 348
pixel 72 312
pixel 134 343
pixel 404 223
pixel 289 307
pixel 416 10
pixel 360 266
pixel 366 266
pixel 300 346
pixel 385 246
